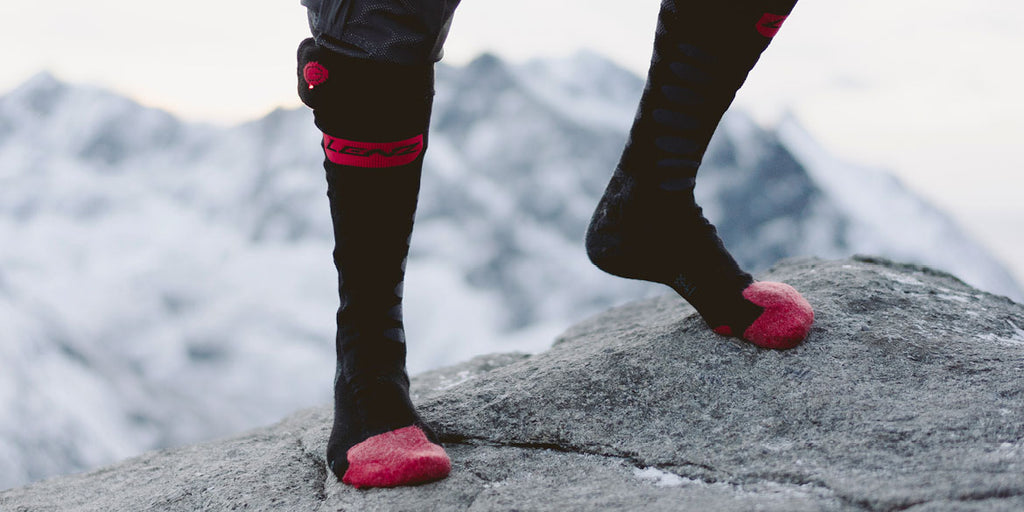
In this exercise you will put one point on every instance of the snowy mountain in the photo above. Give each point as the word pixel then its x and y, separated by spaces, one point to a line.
pixel 163 282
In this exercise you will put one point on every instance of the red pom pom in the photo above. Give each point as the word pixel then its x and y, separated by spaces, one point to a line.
pixel 314 73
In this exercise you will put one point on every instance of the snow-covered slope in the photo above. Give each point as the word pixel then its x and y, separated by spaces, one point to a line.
pixel 164 282
pixel 884 217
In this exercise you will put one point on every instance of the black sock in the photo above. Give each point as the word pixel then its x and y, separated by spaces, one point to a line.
pixel 648 225
pixel 375 118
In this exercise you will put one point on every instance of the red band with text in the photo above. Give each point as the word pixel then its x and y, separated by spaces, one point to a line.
pixel 769 24
pixel 374 155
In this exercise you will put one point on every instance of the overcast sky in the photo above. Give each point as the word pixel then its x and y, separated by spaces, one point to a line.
pixel 929 89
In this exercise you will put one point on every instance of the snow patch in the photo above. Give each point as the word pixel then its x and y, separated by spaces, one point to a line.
pixel 903 279
pixel 662 478
pixel 460 377
pixel 1016 336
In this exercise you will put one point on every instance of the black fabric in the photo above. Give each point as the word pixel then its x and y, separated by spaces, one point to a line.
pixel 648 225
pixel 395 31
pixel 366 100
pixel 372 211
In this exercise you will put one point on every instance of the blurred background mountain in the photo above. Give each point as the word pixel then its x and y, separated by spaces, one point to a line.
pixel 163 282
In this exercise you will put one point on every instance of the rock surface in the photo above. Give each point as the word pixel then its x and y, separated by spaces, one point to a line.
pixel 908 395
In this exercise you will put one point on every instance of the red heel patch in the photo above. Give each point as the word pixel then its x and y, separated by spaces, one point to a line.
pixel 787 316
pixel 400 457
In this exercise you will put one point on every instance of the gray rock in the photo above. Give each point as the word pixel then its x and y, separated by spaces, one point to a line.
pixel 908 395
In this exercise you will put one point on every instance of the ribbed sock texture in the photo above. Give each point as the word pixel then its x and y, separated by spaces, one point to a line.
pixel 375 118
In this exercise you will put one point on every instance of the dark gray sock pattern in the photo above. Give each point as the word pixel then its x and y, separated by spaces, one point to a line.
pixel 648 225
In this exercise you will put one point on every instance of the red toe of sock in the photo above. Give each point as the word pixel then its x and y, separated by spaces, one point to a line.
pixel 787 316
pixel 399 457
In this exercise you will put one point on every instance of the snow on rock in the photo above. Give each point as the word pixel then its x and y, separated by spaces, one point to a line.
pixel 659 477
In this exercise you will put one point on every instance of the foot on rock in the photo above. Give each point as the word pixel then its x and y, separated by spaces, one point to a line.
pixel 786 319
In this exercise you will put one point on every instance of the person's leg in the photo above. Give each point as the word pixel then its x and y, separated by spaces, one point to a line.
pixel 648 226
pixel 372 101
